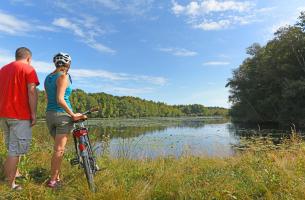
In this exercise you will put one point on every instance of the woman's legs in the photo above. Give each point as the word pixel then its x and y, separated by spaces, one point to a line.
pixel 59 148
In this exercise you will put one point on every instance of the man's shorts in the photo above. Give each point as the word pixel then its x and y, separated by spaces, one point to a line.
pixel 17 135
pixel 59 123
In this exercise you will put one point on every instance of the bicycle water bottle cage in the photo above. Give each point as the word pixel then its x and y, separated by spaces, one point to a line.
pixel 80 132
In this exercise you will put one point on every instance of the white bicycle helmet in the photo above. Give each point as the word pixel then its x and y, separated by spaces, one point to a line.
pixel 61 59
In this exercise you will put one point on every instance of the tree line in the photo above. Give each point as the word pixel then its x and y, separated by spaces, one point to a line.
pixel 269 86
pixel 129 107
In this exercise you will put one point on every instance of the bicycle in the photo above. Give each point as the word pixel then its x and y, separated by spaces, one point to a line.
pixel 84 154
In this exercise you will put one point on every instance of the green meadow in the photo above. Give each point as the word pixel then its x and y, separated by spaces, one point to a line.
pixel 259 171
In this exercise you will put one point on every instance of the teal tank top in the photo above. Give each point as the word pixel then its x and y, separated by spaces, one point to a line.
pixel 51 90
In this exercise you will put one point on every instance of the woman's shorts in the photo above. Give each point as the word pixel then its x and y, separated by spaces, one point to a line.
pixel 59 123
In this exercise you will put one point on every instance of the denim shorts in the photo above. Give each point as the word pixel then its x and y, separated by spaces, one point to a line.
pixel 59 123
pixel 17 135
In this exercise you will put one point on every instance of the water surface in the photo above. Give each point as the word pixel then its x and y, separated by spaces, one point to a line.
pixel 154 137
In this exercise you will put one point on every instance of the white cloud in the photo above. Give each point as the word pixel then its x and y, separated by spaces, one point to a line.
pixel 92 25
pixel 195 8
pixel 99 46
pixel 138 7
pixel 221 6
pixel 177 8
pixel 47 28
pixel 280 19
pixel 43 67
pixel 114 89
pixel 67 24
pixel 216 63
pixel 285 21
pixel 112 4
pixel 222 24
pixel 87 30
pixel 63 5
pixel 95 79
pixel 130 91
pixel 157 80
pixel 130 7
pixel 279 24
pixel 133 7
pixel 216 15
pixel 117 77
pixel 12 25
pixel 40 66
pixel 9 24
pixel 23 2
pixel 85 73
pixel 213 96
pixel 179 52
pixel 5 58
pixel 81 74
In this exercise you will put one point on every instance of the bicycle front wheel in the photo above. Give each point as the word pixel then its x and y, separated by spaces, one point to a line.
pixel 88 172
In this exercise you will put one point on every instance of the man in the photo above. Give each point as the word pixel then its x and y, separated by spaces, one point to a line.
pixel 18 103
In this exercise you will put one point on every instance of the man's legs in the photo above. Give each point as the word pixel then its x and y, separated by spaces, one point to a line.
pixel 10 169
pixel 18 134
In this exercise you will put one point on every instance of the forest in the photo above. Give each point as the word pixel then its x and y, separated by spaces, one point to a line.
pixel 269 86
pixel 129 107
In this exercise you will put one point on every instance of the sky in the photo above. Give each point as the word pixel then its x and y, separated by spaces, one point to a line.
pixel 172 51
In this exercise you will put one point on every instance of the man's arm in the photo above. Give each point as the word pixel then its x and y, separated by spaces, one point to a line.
pixel 33 98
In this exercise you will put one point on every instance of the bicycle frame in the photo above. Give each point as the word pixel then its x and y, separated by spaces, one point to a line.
pixel 85 157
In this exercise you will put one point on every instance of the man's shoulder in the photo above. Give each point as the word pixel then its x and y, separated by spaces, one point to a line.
pixel 24 66
pixel 19 67
pixel 8 65
pixel 15 64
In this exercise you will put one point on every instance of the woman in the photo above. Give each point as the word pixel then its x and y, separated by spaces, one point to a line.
pixel 59 113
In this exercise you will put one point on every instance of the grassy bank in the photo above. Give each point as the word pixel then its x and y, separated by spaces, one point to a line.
pixel 258 173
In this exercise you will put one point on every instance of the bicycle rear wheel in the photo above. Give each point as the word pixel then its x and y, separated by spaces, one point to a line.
pixel 89 172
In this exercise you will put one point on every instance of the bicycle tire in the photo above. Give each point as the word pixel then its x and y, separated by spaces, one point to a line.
pixel 89 175
pixel 91 156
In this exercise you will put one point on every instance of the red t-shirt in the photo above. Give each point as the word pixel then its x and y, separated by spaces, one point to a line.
pixel 14 99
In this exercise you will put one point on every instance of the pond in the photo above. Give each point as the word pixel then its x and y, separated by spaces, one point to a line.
pixel 154 137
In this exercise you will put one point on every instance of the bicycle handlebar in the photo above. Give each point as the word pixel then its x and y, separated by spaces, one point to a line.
pixel 92 110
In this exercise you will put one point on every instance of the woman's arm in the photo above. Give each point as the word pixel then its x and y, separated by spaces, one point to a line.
pixel 62 84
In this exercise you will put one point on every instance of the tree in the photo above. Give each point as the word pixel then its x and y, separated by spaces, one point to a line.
pixel 269 86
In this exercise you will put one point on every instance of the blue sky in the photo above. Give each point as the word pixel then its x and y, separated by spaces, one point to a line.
pixel 173 51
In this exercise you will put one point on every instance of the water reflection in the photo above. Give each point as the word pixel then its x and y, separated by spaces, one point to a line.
pixel 150 138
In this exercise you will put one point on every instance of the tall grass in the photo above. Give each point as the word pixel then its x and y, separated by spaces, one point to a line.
pixel 257 173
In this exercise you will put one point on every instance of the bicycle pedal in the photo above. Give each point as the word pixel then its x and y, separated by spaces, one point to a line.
pixel 74 161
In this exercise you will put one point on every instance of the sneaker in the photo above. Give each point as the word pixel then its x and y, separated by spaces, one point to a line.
pixel 53 184
pixel 16 188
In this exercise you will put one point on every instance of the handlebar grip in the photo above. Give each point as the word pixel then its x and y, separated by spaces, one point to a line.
pixel 92 110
